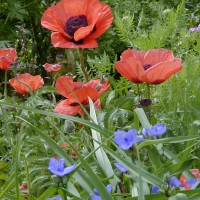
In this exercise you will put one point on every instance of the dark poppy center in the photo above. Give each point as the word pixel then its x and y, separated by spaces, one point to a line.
pixel 147 66
pixel 74 23
pixel 74 104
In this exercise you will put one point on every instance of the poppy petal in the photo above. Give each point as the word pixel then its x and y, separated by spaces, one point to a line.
pixel 65 85
pixel 65 108
pixel 139 55
pixel 82 95
pixel 59 40
pixel 51 19
pixel 162 71
pixel 131 69
pixel 35 82
pixel 96 84
pixel 155 56
pixel 104 21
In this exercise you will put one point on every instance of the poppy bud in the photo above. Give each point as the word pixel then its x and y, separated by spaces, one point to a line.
pixel 69 126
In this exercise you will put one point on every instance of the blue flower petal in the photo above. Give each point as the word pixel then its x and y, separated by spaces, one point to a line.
pixel 120 167
pixel 95 197
pixel 155 189
pixel 109 188
pixel 174 182
pixel 156 130
pixel 68 170
pixel 191 181
pixel 57 167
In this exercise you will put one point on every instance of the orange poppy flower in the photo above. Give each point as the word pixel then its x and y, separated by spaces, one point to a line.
pixel 152 66
pixel 7 56
pixel 35 82
pixel 76 92
pixel 52 67
pixel 77 23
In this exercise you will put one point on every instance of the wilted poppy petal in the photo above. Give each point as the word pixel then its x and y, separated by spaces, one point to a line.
pixel 156 56
pixel 65 85
pixel 64 107
pixel 131 69
pixel 162 71
pixel 7 56
pixel 97 104
pixel 52 67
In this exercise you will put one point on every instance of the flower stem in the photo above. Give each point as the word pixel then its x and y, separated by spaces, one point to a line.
pixel 138 89
pixel 82 64
pixel 149 97
pixel 140 188
pixel 6 84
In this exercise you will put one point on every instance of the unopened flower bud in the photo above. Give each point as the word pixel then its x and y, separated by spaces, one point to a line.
pixel 69 126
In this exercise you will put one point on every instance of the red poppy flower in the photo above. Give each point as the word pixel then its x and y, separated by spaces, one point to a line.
pixel 152 66
pixel 77 23
pixel 35 82
pixel 52 67
pixel 7 56
pixel 76 92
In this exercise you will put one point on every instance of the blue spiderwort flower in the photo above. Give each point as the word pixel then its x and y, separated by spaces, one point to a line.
pixel 156 130
pixel 174 182
pixel 96 196
pixel 198 28
pixel 125 140
pixel 55 198
pixel 191 182
pixel 191 30
pixel 120 167
pixel 58 168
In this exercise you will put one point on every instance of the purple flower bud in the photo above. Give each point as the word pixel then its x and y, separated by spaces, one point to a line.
pixel 60 56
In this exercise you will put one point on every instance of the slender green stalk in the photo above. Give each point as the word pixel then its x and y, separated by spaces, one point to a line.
pixel 82 64
pixel 30 89
pixel 27 176
pixel 140 188
pixel 6 84
pixel 17 160
pixel 149 97
pixel 138 90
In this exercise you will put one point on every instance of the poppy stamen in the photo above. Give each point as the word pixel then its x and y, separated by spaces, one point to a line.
pixel 147 66
pixel 74 23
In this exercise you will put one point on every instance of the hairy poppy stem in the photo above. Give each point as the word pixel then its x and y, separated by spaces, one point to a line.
pixel 138 88
pixel 6 84
pixel 82 64
pixel 30 89
pixel 149 97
